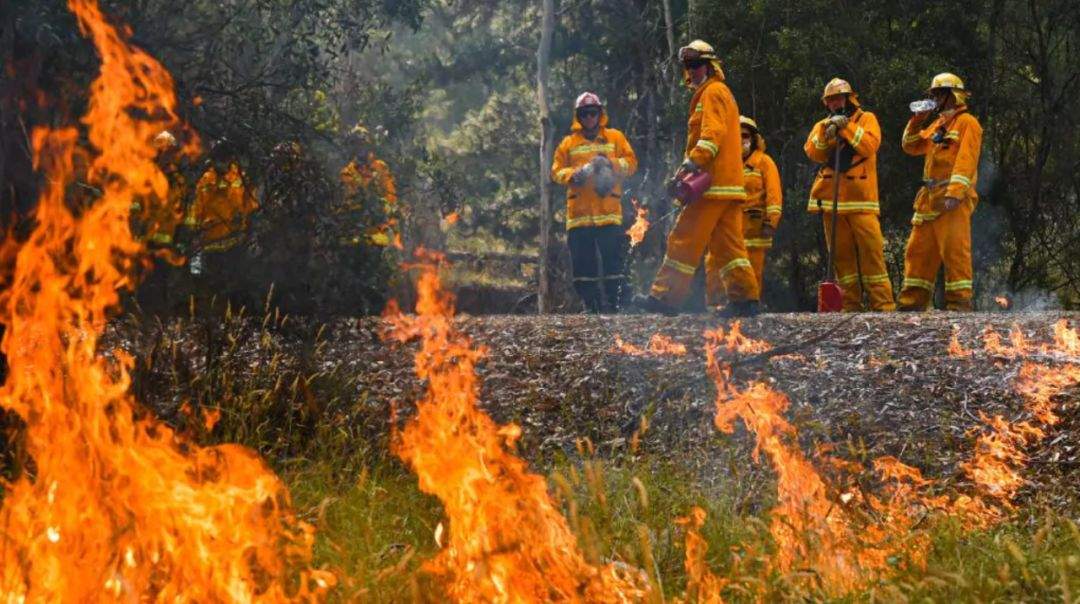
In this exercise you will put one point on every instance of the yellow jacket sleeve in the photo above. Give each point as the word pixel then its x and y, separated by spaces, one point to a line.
pixel 915 141
pixel 625 161
pixel 774 193
pixel 817 146
pixel 561 170
pixel 864 137
pixel 713 126
pixel 386 181
pixel 966 166
pixel 202 192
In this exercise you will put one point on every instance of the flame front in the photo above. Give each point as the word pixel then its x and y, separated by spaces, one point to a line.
pixel 119 506
pixel 507 540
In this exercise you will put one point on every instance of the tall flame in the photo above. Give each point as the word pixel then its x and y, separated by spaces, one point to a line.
pixel 119 506
pixel 637 231
pixel 507 540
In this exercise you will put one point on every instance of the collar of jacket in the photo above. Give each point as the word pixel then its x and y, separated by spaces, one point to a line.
pixel 575 125
pixel 754 158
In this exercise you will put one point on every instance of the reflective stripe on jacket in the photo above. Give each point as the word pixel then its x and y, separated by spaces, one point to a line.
pixel 221 208
pixel 714 140
pixel 950 168
pixel 763 189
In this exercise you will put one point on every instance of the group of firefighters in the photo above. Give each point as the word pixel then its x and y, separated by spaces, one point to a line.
pixel 731 224
pixel 213 225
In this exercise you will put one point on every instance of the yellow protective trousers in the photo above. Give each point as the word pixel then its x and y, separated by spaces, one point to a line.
pixel 860 260
pixel 715 225
pixel 756 247
pixel 946 239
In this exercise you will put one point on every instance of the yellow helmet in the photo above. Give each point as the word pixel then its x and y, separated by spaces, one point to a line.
pixel 745 121
pixel 700 49
pixel 759 141
pixel 951 82
pixel 837 86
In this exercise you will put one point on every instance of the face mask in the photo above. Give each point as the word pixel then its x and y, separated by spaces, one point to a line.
pixel 746 147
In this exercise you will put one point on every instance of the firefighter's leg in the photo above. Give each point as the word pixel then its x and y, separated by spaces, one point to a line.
pixel 586 272
pixel 715 295
pixel 726 245
pixel 866 230
pixel 685 245
pixel 954 240
pixel 847 266
pixel 756 245
pixel 612 243
pixel 921 262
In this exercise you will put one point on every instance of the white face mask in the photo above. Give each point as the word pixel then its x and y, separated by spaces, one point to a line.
pixel 746 147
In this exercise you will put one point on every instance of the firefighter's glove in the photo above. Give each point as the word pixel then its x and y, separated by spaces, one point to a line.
pixel 839 122
pixel 950 203
pixel 687 167
pixel 582 174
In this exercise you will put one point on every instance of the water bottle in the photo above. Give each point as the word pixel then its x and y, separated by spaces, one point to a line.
pixel 196 264
pixel 923 106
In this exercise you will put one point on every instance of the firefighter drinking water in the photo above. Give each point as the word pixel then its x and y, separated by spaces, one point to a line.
pixel 941 225
pixel 592 162
pixel 715 221
pixel 859 254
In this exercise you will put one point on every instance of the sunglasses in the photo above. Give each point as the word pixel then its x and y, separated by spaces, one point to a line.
pixel 746 135
pixel 588 113
pixel 694 63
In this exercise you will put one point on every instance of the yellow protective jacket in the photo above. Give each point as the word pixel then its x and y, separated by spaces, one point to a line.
pixel 375 177
pixel 763 191
pixel 222 205
pixel 859 185
pixel 714 140
pixel 584 207
pixel 951 165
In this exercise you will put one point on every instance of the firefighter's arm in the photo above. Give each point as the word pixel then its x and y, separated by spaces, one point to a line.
pixel 774 193
pixel 864 137
pixel 625 161
pixel 818 145
pixel 967 159
pixel 561 170
pixel 915 142
pixel 389 187
pixel 714 111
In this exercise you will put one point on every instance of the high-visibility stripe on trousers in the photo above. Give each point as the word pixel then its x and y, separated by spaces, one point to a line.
pixel 946 239
pixel 860 261
pixel 715 226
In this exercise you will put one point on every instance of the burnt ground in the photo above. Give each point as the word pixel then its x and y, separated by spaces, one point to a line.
pixel 877 384
pixel 873 385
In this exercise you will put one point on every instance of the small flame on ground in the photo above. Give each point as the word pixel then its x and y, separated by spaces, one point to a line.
pixel 733 340
pixel 637 231
pixel 452 218
pixel 659 345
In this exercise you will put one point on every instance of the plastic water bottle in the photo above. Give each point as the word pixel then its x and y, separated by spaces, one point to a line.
pixel 923 106
pixel 196 264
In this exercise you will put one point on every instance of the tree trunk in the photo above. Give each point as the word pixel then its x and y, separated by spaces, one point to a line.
pixel 547 139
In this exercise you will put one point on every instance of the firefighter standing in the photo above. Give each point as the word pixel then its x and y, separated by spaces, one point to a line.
pixel 941 226
pixel 713 222
pixel 591 162
pixel 156 222
pixel 761 212
pixel 365 178
pixel 859 253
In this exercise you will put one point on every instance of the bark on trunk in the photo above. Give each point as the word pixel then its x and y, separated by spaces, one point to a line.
pixel 543 58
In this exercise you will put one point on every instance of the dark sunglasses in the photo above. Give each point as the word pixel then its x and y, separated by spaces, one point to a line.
pixel 694 63
pixel 588 113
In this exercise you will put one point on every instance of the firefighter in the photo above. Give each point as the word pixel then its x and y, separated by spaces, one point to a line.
pixel 219 217
pixel 592 162
pixel 156 222
pixel 367 177
pixel 941 226
pixel 859 254
pixel 761 213
pixel 713 222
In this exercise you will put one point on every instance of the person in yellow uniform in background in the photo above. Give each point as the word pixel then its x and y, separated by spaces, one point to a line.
pixel 367 177
pixel 859 255
pixel 219 219
pixel 941 226
pixel 761 213
pixel 157 219
pixel 714 222
pixel 592 162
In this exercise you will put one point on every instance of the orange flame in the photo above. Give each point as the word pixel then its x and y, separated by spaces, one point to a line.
pixel 120 507
pixel 735 341
pixel 659 345
pixel 452 218
pixel 702 586
pixel 1002 302
pixel 637 231
pixel 507 541
pixel 956 349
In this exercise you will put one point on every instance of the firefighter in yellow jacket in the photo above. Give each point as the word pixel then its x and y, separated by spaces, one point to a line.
pixel 158 219
pixel 223 204
pixel 859 254
pixel 761 212
pixel 714 222
pixel 368 176
pixel 941 226
pixel 592 162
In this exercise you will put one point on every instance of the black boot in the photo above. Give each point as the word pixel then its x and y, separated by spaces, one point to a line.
pixel 589 292
pixel 741 309
pixel 651 304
